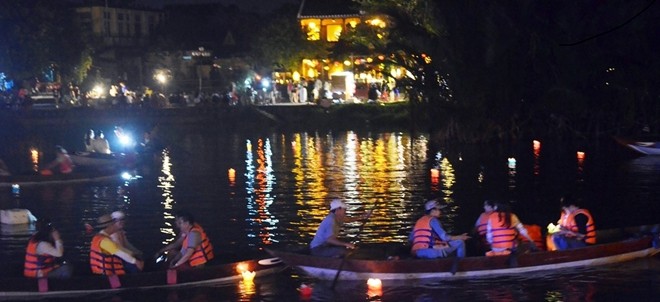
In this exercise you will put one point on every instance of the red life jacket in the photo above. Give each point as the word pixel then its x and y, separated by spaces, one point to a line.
pixel 204 252
pixel 37 265
pixel 102 263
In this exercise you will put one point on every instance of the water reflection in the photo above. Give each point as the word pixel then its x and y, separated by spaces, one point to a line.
pixel 259 187
pixel 166 184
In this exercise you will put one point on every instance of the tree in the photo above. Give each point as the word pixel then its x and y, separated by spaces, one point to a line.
pixel 37 35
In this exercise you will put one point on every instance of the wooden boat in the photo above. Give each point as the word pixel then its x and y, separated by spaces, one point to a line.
pixel 617 246
pixel 78 176
pixel 98 160
pixel 643 147
pixel 30 288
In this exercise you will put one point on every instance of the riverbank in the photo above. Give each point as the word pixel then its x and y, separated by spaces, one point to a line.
pixel 285 116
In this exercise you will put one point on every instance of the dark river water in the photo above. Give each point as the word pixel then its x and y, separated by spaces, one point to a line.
pixel 283 184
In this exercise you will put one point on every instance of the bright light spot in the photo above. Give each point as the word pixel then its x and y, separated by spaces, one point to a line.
pixel 126 176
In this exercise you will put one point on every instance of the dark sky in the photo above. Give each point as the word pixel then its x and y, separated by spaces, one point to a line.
pixel 246 5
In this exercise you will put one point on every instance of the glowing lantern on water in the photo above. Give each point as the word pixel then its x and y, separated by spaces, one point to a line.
pixel 580 155
pixel 537 144
pixel 374 288
pixel 242 267
pixel 435 173
pixel 232 174
pixel 248 276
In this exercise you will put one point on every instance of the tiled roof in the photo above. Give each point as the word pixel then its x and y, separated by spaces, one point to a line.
pixel 327 8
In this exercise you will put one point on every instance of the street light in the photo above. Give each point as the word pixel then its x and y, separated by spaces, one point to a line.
pixel 161 77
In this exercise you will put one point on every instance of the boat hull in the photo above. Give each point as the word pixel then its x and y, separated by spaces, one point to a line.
pixel 58 179
pixel 469 267
pixel 14 288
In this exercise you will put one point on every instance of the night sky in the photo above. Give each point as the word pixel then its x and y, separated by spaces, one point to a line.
pixel 246 5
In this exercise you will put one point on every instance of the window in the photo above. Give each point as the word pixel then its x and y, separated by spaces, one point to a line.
pixel 312 28
pixel 333 33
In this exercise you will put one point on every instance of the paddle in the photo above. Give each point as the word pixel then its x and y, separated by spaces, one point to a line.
pixel 343 260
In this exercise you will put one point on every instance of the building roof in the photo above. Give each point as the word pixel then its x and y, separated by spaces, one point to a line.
pixel 328 9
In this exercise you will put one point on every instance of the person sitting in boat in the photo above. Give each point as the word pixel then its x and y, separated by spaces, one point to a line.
pixel 430 240
pixel 120 238
pixel 62 161
pixel 576 226
pixel 100 144
pixel 325 242
pixel 105 256
pixel 502 230
pixel 88 141
pixel 481 224
pixel 195 248
pixel 43 249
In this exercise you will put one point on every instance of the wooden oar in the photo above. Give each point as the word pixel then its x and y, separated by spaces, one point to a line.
pixel 343 260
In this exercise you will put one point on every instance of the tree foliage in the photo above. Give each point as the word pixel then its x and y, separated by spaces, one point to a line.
pixel 36 35
pixel 523 67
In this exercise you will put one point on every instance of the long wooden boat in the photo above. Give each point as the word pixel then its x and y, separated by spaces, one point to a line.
pixel 97 160
pixel 71 178
pixel 643 147
pixel 30 288
pixel 618 245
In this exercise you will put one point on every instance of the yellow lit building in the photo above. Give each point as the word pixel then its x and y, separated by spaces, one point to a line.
pixel 326 20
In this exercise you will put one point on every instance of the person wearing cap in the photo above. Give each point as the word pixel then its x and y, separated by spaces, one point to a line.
pixel 430 240
pixel 195 248
pixel 43 249
pixel 325 242
pixel 577 227
pixel 108 258
pixel 120 238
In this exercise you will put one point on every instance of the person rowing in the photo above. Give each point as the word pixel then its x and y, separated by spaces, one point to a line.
pixel 326 242
pixel 195 248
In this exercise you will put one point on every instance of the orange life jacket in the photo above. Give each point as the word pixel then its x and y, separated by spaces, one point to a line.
pixel 503 237
pixel 204 252
pixel 102 263
pixel 568 222
pixel 423 235
pixel 482 223
pixel 37 265
pixel 534 232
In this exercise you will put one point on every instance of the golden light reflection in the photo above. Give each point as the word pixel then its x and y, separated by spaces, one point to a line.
pixel 34 156
pixel 379 163
pixel 259 186
pixel 448 180
pixel 231 173
pixel 247 290
pixel 537 154
pixel 166 184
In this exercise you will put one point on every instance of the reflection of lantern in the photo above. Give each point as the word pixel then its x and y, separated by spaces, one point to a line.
pixel 232 174
pixel 374 288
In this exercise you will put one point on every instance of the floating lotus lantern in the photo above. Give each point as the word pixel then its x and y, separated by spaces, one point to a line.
pixel 374 288
pixel 305 291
